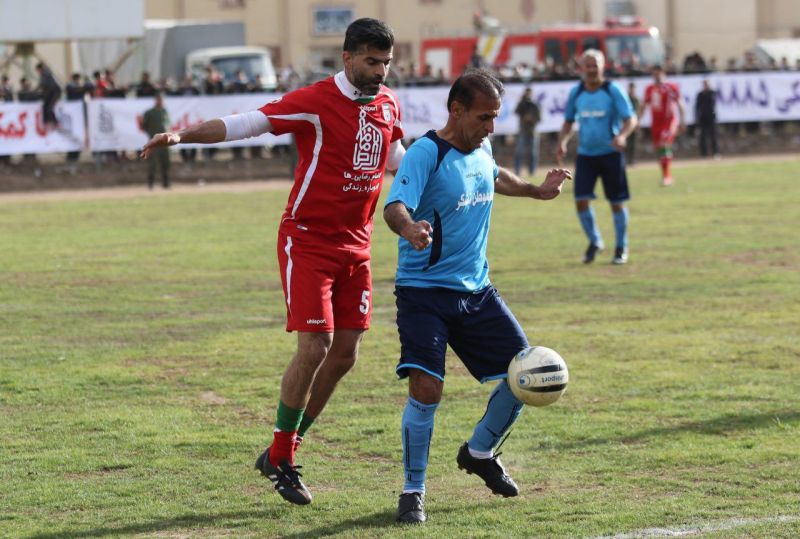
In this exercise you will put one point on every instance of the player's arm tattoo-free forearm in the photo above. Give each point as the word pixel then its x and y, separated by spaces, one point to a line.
pixel 509 184
pixel 397 217
pixel 204 133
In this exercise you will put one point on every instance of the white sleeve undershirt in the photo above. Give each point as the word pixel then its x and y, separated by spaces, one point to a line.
pixel 396 153
pixel 246 125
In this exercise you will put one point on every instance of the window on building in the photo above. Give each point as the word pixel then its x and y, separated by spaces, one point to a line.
pixel 552 50
pixel 331 20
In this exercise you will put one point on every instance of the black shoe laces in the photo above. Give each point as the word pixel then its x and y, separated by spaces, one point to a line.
pixel 289 473
pixel 497 453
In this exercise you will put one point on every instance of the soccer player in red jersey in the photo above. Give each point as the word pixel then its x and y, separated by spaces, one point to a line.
pixel 664 99
pixel 348 132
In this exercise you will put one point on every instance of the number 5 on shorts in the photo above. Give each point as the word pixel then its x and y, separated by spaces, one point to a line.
pixel 364 307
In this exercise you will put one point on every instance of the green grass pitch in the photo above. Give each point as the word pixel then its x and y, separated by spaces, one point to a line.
pixel 142 344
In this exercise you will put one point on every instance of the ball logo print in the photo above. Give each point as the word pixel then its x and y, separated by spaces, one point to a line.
pixel 538 376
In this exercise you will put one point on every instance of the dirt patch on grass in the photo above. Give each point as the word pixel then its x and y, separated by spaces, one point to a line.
pixel 209 397
pixel 778 257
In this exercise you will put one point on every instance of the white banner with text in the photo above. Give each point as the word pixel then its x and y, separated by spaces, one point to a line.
pixel 114 124
pixel 23 132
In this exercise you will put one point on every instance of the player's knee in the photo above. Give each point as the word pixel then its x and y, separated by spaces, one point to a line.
pixel 423 387
pixel 341 364
pixel 312 348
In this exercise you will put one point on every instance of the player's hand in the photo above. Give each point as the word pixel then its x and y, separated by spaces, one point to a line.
pixel 553 182
pixel 681 129
pixel 620 142
pixel 159 140
pixel 418 235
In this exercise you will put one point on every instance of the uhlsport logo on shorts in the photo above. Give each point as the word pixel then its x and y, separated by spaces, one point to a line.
pixel 316 321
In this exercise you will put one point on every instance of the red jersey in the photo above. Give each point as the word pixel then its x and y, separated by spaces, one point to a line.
pixel 342 147
pixel 663 100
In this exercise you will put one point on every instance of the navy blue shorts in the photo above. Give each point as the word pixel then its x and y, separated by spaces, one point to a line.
pixel 610 168
pixel 478 326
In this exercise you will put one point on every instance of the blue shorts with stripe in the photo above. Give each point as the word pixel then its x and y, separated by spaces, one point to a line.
pixel 478 326
pixel 611 169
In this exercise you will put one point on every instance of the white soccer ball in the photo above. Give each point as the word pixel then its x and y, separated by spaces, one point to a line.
pixel 538 376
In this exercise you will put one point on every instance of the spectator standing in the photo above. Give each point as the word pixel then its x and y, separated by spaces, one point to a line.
pixel 6 96
pixel 154 121
pixel 212 85
pixel 28 94
pixel 239 85
pixel 6 92
pixel 51 93
pixel 630 148
pixel 706 117
pixel 187 88
pixel 527 148
pixel 476 60
pixel 100 85
pixel 145 88
pixel 75 90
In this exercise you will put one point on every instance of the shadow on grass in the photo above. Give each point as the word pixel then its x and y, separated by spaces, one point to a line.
pixel 372 521
pixel 178 522
pixel 718 426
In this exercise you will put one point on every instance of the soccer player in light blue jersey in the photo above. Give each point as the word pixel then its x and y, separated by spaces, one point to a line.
pixel 440 205
pixel 605 120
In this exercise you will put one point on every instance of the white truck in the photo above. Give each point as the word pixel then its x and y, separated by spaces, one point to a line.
pixel 173 48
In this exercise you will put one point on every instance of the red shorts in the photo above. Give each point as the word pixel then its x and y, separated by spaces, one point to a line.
pixel 325 287
pixel 663 132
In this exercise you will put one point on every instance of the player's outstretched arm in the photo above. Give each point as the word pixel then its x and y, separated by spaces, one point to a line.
pixel 509 184
pixel 418 233
pixel 205 133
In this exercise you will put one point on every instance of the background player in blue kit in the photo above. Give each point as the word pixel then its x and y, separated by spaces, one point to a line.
pixel 440 205
pixel 605 120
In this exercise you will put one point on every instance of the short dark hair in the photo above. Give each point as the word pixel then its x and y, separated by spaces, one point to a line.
pixel 470 83
pixel 370 32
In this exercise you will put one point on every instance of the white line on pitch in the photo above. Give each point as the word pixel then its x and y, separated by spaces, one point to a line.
pixel 688 531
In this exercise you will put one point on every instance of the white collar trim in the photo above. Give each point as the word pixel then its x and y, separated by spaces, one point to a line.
pixel 347 88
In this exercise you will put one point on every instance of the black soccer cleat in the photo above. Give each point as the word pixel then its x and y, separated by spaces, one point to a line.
pixel 490 470
pixel 411 508
pixel 620 256
pixel 285 478
pixel 591 251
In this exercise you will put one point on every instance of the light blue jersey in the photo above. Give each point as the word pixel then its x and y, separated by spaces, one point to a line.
pixel 453 191
pixel 599 115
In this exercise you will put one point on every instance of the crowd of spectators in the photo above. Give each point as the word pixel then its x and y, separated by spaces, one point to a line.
pixel 102 83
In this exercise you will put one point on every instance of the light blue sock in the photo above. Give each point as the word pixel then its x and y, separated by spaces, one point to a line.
pixel 416 429
pixel 621 227
pixel 589 224
pixel 501 412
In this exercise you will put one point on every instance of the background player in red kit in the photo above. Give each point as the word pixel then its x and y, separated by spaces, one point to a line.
pixel 347 130
pixel 664 98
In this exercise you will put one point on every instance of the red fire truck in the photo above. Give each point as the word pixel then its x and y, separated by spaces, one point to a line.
pixel 622 40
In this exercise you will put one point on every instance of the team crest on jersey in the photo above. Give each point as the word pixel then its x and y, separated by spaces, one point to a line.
pixel 387 112
pixel 369 142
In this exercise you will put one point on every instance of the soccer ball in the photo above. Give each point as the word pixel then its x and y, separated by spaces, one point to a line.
pixel 538 376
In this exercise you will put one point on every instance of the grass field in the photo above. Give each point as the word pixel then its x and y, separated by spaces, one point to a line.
pixel 142 344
